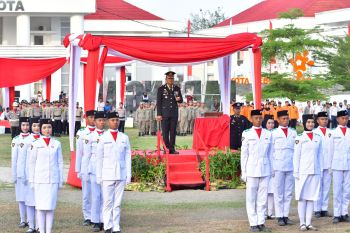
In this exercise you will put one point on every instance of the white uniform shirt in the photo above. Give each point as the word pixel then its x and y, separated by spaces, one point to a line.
pixel 307 158
pixel 283 149
pixel 325 146
pixel 46 162
pixel 90 146
pixel 339 149
pixel 256 153
pixel 18 157
pixel 82 160
pixel 113 158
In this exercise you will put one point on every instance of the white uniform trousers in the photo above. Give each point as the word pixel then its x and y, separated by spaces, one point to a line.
pixel 322 203
pixel 45 220
pixel 86 191
pixel 305 212
pixel 341 192
pixel 96 201
pixel 256 199
pixel 283 193
pixel 112 192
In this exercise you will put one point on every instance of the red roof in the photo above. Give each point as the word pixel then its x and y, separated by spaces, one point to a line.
pixel 119 10
pixel 269 9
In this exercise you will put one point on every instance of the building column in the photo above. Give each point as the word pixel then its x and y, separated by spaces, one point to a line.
pixel 23 30
pixel 77 24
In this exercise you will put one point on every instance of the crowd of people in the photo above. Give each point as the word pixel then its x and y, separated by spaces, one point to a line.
pixel 276 161
pixel 145 117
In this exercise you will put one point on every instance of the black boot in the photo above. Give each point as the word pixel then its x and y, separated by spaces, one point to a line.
pixel 317 214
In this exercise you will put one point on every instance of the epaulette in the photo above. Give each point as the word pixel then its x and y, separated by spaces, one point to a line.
pixel 16 137
pixel 292 128
pixel 81 129
pixel 300 134
pixel 247 130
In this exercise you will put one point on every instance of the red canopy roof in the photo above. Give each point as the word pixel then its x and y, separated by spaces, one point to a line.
pixel 269 9
pixel 119 10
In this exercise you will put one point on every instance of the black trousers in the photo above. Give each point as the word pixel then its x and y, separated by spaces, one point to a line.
pixel 293 123
pixel 235 140
pixel 14 131
pixel 65 127
pixel 57 127
pixel 169 131
pixel 77 127
pixel 121 126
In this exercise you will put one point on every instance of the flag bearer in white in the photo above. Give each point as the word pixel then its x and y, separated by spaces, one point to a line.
pixel 81 166
pixel 30 199
pixel 307 161
pixel 339 149
pixel 256 170
pixel 18 164
pixel 321 205
pixel 90 144
pixel 113 171
pixel 283 139
pixel 46 175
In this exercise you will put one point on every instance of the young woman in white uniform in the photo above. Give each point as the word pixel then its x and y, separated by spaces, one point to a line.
pixel 46 174
pixel 18 164
pixel 307 162
pixel 30 200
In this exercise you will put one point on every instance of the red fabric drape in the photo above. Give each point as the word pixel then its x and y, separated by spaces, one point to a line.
pixel 11 96
pixel 48 88
pixel 257 75
pixel 109 60
pixel 173 50
pixel 90 80
pixel 101 65
pixel 122 83
pixel 16 72
pixel 215 132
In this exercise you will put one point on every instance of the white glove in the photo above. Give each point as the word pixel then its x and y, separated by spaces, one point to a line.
pixel 330 171
pixel 31 185
pixel 244 177
pixel 98 180
pixel 79 175
pixel 128 181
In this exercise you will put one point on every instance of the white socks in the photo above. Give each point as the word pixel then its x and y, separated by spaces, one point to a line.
pixel 22 211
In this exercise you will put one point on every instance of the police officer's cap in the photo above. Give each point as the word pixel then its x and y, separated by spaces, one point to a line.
pixel 112 115
pixel 237 105
pixel 256 112
pixel 90 113
pixel 308 116
pixel 322 114
pixel 282 113
pixel 24 119
pixel 170 73
pixel 342 113
pixel 100 115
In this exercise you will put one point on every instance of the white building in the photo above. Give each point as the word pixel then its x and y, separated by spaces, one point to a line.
pixel 36 28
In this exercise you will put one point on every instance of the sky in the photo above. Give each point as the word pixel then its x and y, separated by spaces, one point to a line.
pixel 180 10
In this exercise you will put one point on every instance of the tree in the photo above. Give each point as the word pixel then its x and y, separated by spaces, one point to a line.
pixel 338 59
pixel 206 19
pixel 286 44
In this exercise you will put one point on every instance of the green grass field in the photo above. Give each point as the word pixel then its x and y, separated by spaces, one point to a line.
pixel 137 143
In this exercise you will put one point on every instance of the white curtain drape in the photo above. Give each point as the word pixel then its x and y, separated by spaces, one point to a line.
pixel 225 82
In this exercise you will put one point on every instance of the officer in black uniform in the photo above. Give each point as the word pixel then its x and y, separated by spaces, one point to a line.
pixel 168 96
pixel 238 124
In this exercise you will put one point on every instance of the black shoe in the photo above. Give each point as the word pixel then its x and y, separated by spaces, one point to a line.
pixel 116 231
pixel 287 221
pixel 108 231
pixel 96 227
pixel 281 222
pixel 31 230
pixel 336 220
pixel 23 225
pixel 139 134
pixel 317 214
pixel 345 218
pixel 87 222
pixel 324 213
pixel 254 229
pixel 263 228
pixel 174 152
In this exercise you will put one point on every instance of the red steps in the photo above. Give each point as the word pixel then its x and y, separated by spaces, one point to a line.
pixel 184 170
